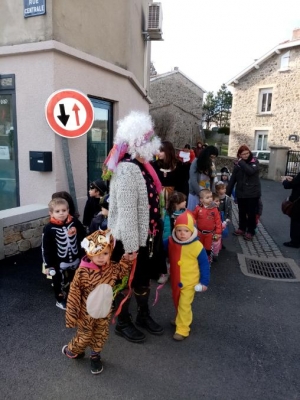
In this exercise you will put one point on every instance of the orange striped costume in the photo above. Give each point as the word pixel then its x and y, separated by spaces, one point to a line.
pixel 91 331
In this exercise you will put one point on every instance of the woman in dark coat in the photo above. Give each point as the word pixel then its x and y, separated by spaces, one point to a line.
pixel 246 177
pixel 294 183
pixel 170 172
pixel 202 175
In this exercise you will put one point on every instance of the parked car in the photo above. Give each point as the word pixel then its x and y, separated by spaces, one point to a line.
pixel 263 156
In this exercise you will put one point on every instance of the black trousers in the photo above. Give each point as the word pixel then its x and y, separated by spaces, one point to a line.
pixel 247 213
pixel 146 267
pixel 295 231
pixel 61 283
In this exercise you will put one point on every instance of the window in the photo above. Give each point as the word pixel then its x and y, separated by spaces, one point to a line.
pixel 100 138
pixel 9 176
pixel 261 140
pixel 284 61
pixel 265 101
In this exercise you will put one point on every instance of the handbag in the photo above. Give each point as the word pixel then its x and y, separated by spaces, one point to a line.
pixel 287 207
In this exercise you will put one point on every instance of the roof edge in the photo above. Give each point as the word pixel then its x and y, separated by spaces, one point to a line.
pixel 265 57
pixel 175 72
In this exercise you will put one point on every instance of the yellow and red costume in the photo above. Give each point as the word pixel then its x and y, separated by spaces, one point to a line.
pixel 188 266
pixel 208 222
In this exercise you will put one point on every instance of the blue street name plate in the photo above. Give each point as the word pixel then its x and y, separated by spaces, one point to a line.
pixel 32 8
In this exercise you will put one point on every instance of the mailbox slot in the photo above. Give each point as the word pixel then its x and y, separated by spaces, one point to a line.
pixel 40 161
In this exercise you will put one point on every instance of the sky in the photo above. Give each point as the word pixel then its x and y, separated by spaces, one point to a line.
pixel 213 41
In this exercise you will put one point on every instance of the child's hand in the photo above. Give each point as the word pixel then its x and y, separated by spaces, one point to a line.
pixel 204 288
pixel 130 256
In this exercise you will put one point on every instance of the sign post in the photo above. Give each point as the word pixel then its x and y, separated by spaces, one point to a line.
pixel 70 114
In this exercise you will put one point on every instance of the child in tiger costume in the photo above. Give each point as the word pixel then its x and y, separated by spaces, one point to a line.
pixel 89 305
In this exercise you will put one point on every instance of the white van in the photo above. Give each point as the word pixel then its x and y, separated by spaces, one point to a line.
pixel 263 156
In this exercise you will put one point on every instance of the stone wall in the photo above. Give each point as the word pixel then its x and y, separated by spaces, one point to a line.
pixel 285 116
pixel 22 237
pixel 21 228
pixel 178 101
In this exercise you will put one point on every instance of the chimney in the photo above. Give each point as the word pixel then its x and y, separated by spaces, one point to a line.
pixel 177 69
pixel 296 34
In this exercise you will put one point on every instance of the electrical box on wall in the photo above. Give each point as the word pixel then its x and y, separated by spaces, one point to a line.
pixel 40 161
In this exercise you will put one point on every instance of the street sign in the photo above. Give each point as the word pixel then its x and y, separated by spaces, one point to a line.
pixel 33 8
pixel 69 113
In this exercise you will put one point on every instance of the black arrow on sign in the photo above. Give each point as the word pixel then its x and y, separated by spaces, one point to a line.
pixel 63 117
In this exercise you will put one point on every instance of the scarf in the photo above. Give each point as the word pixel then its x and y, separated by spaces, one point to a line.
pixel 115 155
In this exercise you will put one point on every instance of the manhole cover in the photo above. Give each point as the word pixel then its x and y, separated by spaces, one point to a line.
pixel 284 269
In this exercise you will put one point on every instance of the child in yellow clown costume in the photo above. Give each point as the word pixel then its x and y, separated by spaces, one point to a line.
pixel 189 270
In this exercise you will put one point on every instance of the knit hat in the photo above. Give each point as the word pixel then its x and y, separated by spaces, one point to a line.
pixel 185 219
pixel 97 242
pixel 104 202
pixel 100 185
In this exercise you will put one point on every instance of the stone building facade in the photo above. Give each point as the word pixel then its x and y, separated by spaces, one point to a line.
pixel 266 100
pixel 176 107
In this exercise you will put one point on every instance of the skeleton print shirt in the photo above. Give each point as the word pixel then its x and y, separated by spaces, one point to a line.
pixel 61 244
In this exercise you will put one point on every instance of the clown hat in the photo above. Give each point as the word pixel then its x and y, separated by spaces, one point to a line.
pixel 97 242
pixel 185 219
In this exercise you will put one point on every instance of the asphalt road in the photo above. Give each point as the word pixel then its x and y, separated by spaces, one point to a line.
pixel 244 342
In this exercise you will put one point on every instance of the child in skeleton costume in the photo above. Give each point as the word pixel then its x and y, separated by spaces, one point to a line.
pixel 90 299
pixel 134 216
pixel 61 249
pixel 189 270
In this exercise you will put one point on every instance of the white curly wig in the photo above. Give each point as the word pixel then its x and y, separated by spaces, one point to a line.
pixel 136 130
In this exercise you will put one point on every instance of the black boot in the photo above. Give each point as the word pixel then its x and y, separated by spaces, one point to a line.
pixel 125 326
pixel 143 319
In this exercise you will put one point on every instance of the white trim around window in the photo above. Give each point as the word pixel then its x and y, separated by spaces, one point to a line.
pixel 261 140
pixel 284 61
pixel 265 101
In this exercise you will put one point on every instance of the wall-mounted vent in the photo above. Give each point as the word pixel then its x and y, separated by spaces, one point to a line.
pixel 155 17
pixel 154 27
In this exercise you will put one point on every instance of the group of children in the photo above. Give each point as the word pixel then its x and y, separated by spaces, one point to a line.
pixel 211 216
pixel 87 282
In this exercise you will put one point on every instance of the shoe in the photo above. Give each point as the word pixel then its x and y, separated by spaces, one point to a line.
pixel 128 331
pixel 223 247
pixel 147 322
pixel 61 304
pixel 291 244
pixel 69 354
pixel 178 337
pixel 96 365
pixel 163 278
pixel 248 236
pixel 239 232
pixel 172 322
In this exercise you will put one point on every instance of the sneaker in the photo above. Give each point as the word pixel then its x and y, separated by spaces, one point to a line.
pixel 69 353
pixel 163 278
pixel 172 322
pixel 239 232
pixel 96 365
pixel 248 236
pixel 178 337
pixel 61 304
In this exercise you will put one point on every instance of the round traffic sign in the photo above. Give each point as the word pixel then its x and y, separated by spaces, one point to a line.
pixel 69 113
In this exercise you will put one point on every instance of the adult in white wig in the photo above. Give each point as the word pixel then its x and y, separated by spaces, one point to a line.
pixel 134 216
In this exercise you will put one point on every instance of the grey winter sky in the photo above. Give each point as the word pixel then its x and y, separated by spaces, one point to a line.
pixel 213 41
